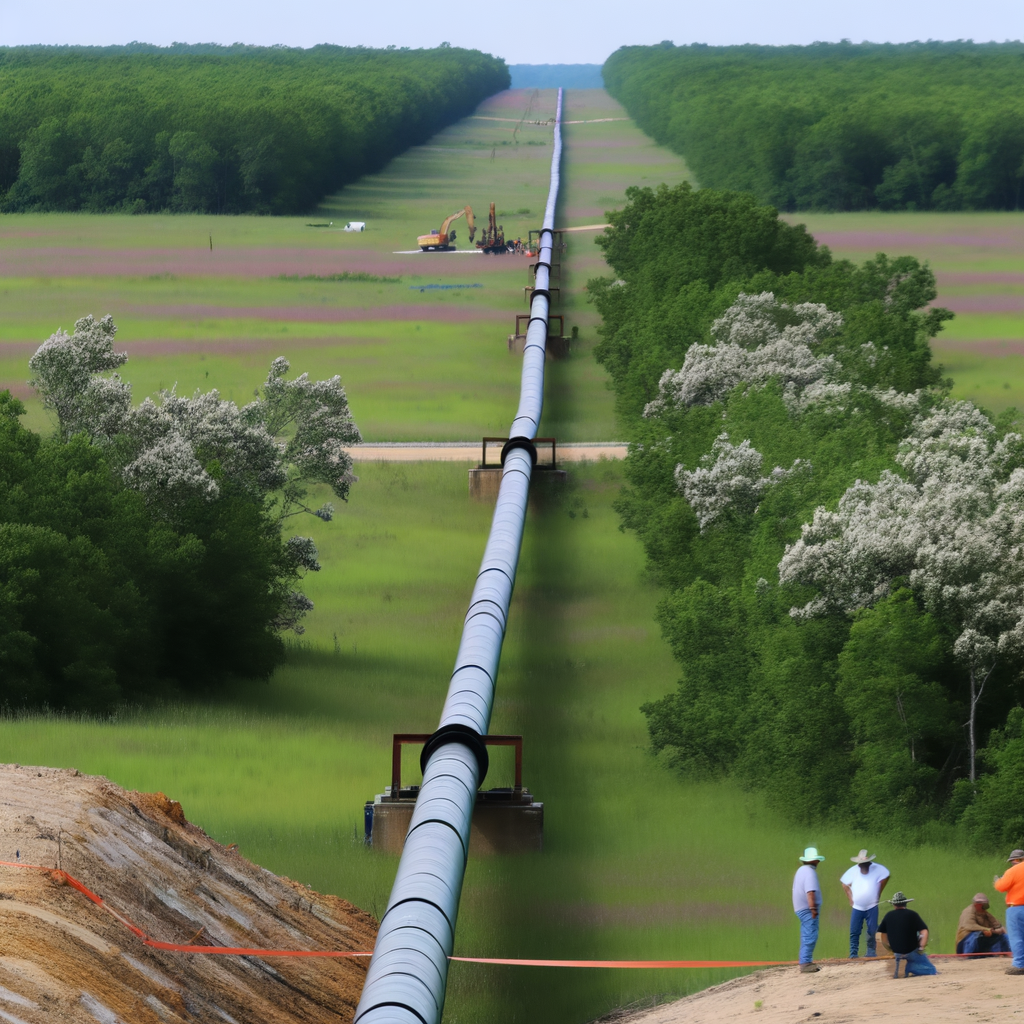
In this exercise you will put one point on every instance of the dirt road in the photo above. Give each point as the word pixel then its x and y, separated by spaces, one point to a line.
pixel 470 451
pixel 854 992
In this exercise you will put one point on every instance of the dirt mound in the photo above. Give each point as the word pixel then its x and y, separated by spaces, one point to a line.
pixel 65 957
pixel 853 992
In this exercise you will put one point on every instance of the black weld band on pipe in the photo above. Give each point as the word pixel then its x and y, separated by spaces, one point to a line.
pixel 539 264
pixel 458 734
pixel 519 442
pixel 540 291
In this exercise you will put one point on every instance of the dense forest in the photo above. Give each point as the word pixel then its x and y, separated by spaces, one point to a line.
pixel 142 548
pixel 839 540
pixel 218 129
pixel 913 126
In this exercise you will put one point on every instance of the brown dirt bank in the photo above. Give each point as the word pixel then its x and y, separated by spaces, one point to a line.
pixel 65 958
pixel 856 992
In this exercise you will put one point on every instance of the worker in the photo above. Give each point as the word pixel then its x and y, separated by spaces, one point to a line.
pixel 863 885
pixel 807 906
pixel 904 932
pixel 978 931
pixel 1012 883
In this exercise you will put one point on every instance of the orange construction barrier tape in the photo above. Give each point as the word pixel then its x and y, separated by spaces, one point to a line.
pixel 510 962
pixel 623 963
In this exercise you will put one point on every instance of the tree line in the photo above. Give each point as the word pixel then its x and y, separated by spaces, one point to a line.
pixel 143 549
pixel 912 126
pixel 839 541
pixel 218 129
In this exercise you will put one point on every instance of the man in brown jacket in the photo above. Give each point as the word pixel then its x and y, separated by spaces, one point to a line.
pixel 978 931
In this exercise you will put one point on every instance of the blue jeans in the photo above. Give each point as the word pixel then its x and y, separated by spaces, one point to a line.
pixel 857 920
pixel 918 964
pixel 808 935
pixel 976 942
pixel 1015 932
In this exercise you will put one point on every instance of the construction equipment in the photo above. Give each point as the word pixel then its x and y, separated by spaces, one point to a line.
pixel 443 240
pixel 493 240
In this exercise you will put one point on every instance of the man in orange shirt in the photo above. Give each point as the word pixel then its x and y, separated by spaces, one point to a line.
pixel 1012 883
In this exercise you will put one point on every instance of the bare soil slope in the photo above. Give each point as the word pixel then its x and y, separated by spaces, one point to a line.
pixel 64 958
pixel 846 992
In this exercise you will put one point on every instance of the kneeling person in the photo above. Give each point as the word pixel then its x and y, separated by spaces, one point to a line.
pixel 904 932
pixel 978 931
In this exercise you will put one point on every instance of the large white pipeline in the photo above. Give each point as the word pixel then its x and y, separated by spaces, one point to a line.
pixel 409 969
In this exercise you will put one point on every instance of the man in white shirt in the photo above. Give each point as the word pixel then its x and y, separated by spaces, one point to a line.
pixel 863 885
pixel 807 906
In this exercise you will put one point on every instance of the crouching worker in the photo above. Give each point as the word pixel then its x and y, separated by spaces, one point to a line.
pixel 978 931
pixel 903 931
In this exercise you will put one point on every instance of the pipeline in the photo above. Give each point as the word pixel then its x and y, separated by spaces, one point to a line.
pixel 408 973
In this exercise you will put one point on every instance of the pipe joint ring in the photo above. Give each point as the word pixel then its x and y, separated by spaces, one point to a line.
pixel 458 734
pixel 519 442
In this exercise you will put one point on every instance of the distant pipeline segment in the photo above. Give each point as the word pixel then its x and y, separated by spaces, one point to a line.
pixel 408 973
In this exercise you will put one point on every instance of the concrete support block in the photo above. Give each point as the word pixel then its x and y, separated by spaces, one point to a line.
pixel 499 826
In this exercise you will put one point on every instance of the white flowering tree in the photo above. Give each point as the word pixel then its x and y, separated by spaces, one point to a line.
pixel 65 374
pixel 176 450
pixel 756 340
pixel 952 527
pixel 728 479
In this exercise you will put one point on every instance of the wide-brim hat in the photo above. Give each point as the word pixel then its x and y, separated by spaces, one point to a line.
pixel 899 898
pixel 980 897
pixel 1016 855
pixel 863 858
pixel 811 853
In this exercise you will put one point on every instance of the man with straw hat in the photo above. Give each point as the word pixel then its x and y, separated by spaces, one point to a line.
pixel 1012 883
pixel 904 932
pixel 978 932
pixel 807 906
pixel 863 885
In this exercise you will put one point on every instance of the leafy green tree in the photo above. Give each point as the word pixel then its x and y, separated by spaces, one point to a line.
pixel 224 129
pixel 836 126
pixel 901 720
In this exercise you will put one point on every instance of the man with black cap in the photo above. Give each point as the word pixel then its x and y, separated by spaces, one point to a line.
pixel 1012 883
pixel 978 931
pixel 904 932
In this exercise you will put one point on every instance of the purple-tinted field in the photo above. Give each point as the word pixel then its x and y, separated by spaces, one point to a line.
pixel 978 259
pixel 879 241
pixel 309 314
pixel 979 303
pixel 64 261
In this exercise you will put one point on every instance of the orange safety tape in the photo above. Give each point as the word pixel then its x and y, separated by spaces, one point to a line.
pixel 244 951
pixel 623 963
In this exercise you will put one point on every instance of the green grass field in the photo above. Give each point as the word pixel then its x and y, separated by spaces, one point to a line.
pixel 418 364
pixel 638 863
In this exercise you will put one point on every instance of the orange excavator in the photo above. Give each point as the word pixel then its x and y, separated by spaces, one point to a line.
pixel 493 240
pixel 443 240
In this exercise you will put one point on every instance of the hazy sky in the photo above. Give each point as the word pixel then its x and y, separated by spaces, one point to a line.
pixel 573 31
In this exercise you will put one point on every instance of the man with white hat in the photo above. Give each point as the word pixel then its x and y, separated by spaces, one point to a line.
pixel 1012 883
pixel 807 906
pixel 863 885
